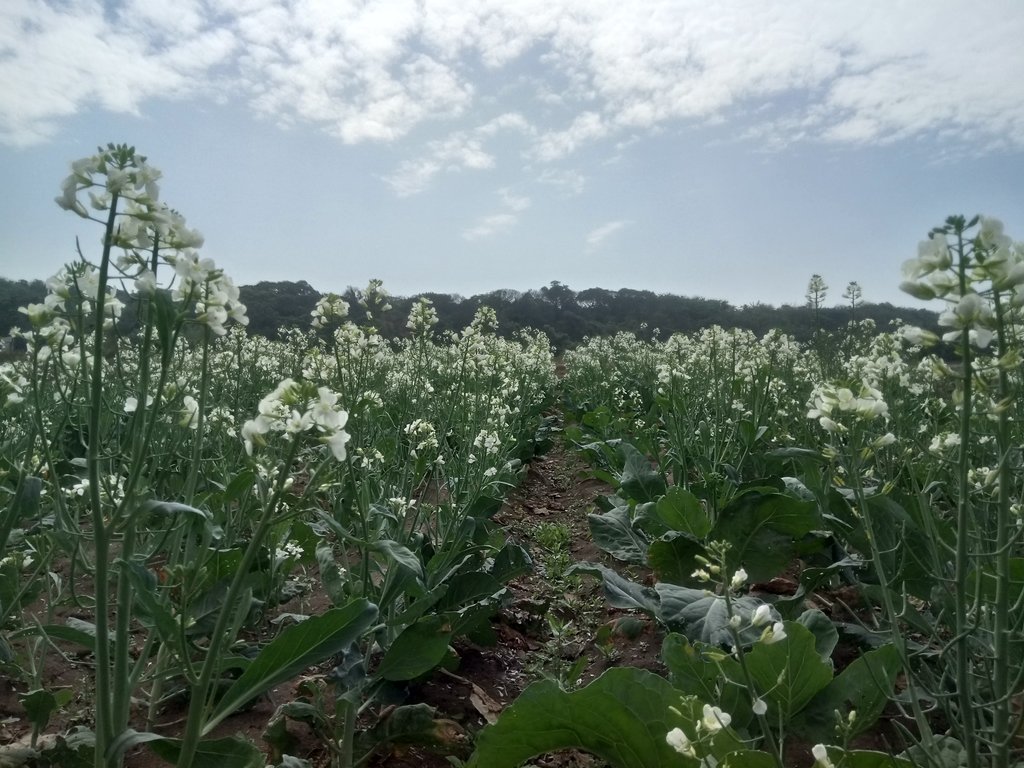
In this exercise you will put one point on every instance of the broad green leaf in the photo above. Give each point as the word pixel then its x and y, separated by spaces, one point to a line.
pixel 25 504
pixel 511 561
pixel 672 557
pixel 826 636
pixel 399 555
pixel 613 532
pixel 863 758
pixel 40 704
pixel 330 574
pixel 748 758
pixel 788 673
pixel 701 615
pixel 681 511
pixel 150 608
pixel 763 529
pixel 230 752
pixel 638 480
pixel 419 648
pixel 409 724
pixel 620 592
pixel 295 649
pixel 864 686
pixel 622 717
pixel 691 671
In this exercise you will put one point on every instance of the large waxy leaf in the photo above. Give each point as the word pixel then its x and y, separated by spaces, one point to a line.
pixel 419 648
pixel 681 511
pixel 622 717
pixel 673 557
pixel 826 636
pixel 613 532
pixel 638 481
pixel 620 592
pixel 864 686
pixel 788 673
pixel 231 752
pixel 701 615
pixel 764 530
pixel 295 649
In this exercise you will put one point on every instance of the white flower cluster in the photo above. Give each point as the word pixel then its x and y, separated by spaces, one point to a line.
pixel 422 317
pixel 991 263
pixel 215 294
pixel 330 307
pixel 832 405
pixel 292 409
pixel 712 720
pixel 12 386
pixel 374 298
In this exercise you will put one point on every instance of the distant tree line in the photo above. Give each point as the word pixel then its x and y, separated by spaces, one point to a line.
pixel 567 316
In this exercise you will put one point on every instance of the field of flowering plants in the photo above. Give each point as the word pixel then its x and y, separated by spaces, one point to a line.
pixel 823 539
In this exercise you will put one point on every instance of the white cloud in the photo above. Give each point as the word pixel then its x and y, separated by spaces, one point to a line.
pixel 490 225
pixel 460 150
pixel 599 236
pixel 871 71
pixel 498 223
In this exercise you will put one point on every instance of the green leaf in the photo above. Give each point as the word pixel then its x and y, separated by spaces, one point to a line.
pixel 681 511
pixel 865 686
pixel 419 648
pixel 409 724
pixel 691 671
pixel 613 532
pixel 40 704
pixel 230 752
pixel 511 561
pixel 863 758
pixel 295 649
pixel 150 608
pixel 701 615
pixel 620 592
pixel 399 556
pixel 622 717
pixel 672 557
pixel 763 529
pixel 788 673
pixel 25 504
pixel 748 758
pixel 330 574
pixel 638 480
pixel 826 636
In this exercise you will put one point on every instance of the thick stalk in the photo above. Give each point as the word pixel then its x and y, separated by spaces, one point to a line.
pixel 1002 674
pixel 201 699
pixel 105 725
pixel 962 626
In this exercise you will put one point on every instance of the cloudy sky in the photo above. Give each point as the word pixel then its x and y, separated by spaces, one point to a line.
pixel 726 149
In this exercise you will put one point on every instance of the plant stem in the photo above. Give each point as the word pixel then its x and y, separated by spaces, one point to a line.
pixel 106 694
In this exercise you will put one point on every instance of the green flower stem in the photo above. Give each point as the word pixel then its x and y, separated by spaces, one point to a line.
pixel 1002 677
pixel 898 640
pixel 197 725
pixel 106 726
pixel 774 748
pixel 962 628
pixel 197 438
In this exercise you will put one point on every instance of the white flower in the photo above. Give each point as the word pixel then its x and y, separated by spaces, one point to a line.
pixel 761 615
pixel 680 742
pixel 189 412
pixel 774 634
pixel 820 755
pixel 337 442
pixel 738 579
pixel 759 706
pixel 714 719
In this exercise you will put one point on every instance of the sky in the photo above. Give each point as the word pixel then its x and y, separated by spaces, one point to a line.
pixel 725 149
